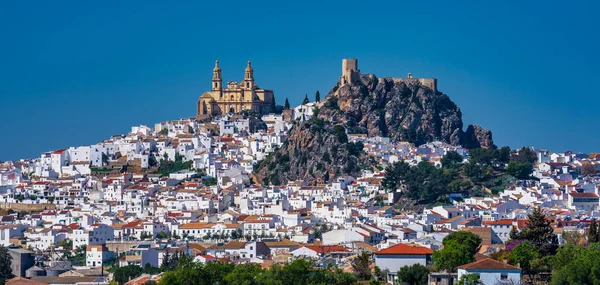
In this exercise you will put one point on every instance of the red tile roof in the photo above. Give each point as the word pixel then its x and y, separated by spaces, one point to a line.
pixel 488 263
pixel 583 195
pixel 405 249
pixel 325 249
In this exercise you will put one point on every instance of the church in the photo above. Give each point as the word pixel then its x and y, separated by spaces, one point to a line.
pixel 235 98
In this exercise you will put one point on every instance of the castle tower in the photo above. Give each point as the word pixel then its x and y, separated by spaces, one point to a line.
pixel 349 70
pixel 217 80
pixel 249 77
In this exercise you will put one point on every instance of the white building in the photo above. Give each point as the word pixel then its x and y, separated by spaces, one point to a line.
pixel 395 257
pixel 96 255
pixel 491 272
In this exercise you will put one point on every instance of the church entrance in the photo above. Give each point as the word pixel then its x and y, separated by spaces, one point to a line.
pixel 231 110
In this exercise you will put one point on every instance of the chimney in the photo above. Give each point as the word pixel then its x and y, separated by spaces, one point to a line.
pixel 505 261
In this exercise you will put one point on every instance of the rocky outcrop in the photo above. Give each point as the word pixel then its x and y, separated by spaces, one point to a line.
pixel 401 109
pixel 476 137
pixel 314 151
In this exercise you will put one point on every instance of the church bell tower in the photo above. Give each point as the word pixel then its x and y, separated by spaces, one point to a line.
pixel 217 80
pixel 249 77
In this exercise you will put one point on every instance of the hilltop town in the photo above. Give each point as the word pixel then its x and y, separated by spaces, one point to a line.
pixel 189 187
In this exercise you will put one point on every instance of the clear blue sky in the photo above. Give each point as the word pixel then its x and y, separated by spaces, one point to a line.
pixel 76 72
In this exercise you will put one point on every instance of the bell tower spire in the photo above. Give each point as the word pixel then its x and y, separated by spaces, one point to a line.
pixel 217 79
pixel 249 77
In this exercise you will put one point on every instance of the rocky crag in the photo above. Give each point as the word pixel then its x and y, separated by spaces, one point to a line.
pixel 404 111
pixel 318 149
pixel 315 151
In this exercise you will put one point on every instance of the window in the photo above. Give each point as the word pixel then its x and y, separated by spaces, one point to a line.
pixel 504 276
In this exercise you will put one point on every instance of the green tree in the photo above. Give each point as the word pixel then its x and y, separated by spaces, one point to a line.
pixel 414 275
pixel 305 101
pixel 362 266
pixel 524 155
pixel 593 236
pixel 469 279
pixel 123 274
pixel 286 106
pixel 210 181
pixel 458 248
pixel 504 154
pixel 162 235
pixel 539 232
pixel 483 156
pixel 244 274
pixel 474 171
pixel 394 175
pixel 451 159
pixel 317 97
pixel 526 255
pixel 5 265
pixel 149 269
pixel 520 170
pixel 576 265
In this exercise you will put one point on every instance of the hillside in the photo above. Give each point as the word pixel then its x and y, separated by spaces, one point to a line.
pixel 314 151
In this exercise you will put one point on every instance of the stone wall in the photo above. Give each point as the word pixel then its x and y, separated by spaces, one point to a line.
pixel 27 207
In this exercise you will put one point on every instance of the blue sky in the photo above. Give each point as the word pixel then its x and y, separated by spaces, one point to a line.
pixel 76 72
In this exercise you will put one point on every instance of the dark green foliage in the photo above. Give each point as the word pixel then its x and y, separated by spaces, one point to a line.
pixel 210 181
pixel 520 170
pixel 593 236
pixel 451 159
pixel 340 133
pixel 484 156
pixel 167 166
pixel 5 265
pixel 305 101
pixel 361 266
pixel 527 256
pixel 539 232
pixel 413 275
pixel 458 248
pixel 474 171
pixel 424 183
pixel 394 175
pixel 123 274
pixel 162 235
pixel 332 103
pixel 470 279
pixel 524 155
pixel 286 106
pixel 317 97
pixel 355 148
pixel 104 159
pixel 149 269
pixel 576 265
pixel 298 272
pixel 504 154
pixel 77 258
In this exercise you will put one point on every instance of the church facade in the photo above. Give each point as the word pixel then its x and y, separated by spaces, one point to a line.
pixel 235 97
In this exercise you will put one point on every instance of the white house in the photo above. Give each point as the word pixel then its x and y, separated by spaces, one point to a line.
pixel 395 257
pixel 492 272
pixel 96 255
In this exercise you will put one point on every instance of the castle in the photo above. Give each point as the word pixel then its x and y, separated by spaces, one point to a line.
pixel 235 97
pixel 350 73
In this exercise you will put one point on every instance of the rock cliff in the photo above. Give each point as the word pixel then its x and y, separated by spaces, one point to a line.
pixel 318 149
pixel 314 151
pixel 406 111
